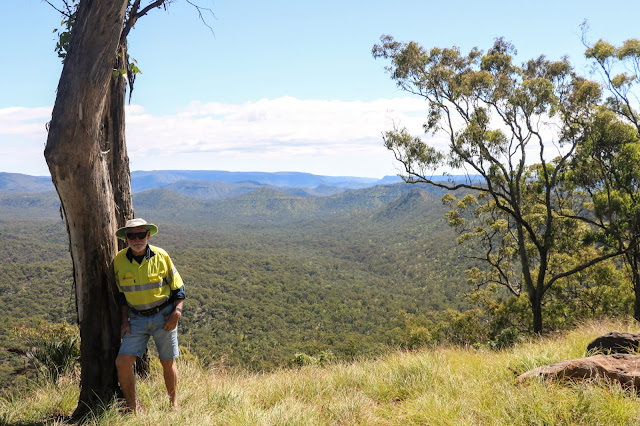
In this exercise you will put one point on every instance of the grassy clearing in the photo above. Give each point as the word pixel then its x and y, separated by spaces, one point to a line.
pixel 440 386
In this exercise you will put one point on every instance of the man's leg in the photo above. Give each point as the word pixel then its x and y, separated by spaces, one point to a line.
pixel 168 351
pixel 170 372
pixel 124 363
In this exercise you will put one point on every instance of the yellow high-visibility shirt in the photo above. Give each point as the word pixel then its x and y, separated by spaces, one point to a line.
pixel 148 284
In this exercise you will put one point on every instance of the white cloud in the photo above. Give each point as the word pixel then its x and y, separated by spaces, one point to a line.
pixel 317 136
pixel 27 122
pixel 22 140
pixel 326 137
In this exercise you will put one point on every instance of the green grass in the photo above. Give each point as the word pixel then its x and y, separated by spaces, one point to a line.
pixel 433 386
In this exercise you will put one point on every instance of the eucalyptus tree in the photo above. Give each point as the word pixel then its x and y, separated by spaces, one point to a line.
pixel 512 130
pixel 87 158
pixel 606 166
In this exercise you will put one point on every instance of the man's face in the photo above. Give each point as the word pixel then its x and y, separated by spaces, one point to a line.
pixel 137 244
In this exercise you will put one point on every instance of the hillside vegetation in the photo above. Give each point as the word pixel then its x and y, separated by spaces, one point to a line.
pixel 269 275
pixel 434 386
pixel 276 279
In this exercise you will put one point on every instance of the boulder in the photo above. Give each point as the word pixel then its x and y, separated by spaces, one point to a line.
pixel 623 368
pixel 616 342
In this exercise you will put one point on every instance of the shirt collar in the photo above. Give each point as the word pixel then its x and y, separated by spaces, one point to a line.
pixel 148 255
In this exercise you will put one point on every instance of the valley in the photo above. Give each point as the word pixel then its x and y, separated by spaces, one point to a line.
pixel 269 274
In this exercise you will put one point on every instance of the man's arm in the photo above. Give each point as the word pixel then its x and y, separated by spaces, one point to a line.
pixel 177 295
pixel 171 320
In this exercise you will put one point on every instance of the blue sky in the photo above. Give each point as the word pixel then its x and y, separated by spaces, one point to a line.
pixel 279 85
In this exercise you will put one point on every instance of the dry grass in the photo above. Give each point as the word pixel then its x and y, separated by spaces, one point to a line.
pixel 440 386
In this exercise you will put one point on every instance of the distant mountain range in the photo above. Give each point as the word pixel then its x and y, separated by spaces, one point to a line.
pixel 216 184
pixel 268 197
pixel 195 180
pixel 141 180
pixel 24 183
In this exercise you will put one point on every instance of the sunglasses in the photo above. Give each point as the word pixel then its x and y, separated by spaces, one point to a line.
pixel 137 235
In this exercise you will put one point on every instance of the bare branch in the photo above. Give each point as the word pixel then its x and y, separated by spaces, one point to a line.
pixel 134 15
pixel 66 4
pixel 200 9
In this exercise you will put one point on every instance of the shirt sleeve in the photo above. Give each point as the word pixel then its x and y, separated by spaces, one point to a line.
pixel 121 299
pixel 178 294
pixel 175 281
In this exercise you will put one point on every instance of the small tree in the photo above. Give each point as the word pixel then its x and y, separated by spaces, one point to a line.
pixel 52 349
pixel 496 116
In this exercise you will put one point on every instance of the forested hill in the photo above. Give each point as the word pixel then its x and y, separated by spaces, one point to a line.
pixel 28 196
pixel 273 204
pixel 270 273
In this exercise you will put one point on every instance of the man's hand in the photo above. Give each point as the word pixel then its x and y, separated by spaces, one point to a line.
pixel 124 329
pixel 171 320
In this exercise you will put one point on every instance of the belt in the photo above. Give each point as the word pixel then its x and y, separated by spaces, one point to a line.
pixel 152 311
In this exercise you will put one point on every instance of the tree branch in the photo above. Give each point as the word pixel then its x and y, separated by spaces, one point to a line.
pixel 134 15
pixel 67 13
pixel 581 268
pixel 200 9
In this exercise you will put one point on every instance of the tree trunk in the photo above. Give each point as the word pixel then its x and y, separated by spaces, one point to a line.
pixel 114 131
pixel 633 259
pixel 536 310
pixel 535 295
pixel 114 134
pixel 80 161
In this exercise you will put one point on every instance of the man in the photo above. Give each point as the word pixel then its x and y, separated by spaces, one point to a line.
pixel 151 297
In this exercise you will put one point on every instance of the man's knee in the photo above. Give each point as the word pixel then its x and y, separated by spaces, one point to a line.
pixel 125 361
pixel 168 363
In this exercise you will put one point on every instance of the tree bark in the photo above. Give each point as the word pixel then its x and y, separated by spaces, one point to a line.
pixel 114 134
pixel 633 258
pixel 114 131
pixel 80 159
pixel 536 309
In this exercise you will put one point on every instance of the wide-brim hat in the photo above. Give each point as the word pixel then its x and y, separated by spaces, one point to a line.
pixel 134 223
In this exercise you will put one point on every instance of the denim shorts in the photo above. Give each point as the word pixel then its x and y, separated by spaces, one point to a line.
pixel 142 328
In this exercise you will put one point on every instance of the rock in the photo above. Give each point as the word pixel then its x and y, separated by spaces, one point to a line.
pixel 623 368
pixel 616 343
